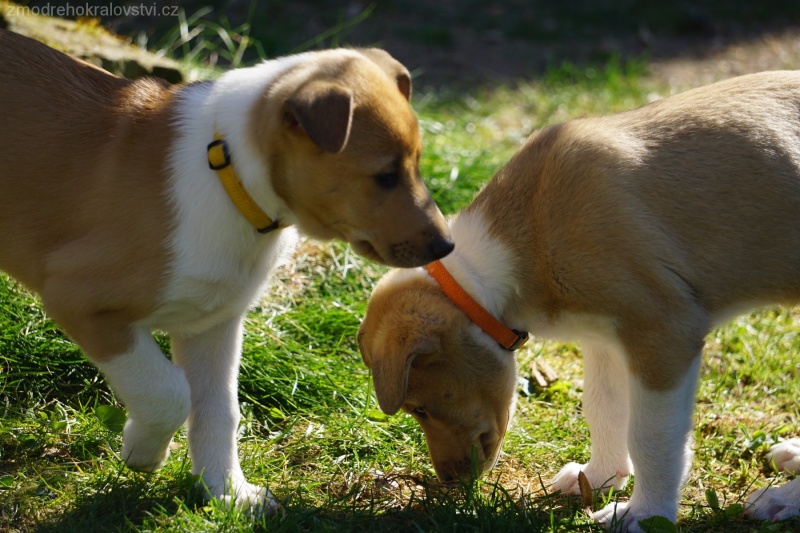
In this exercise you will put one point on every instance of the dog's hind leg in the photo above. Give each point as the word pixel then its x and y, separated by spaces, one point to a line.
pixel 156 395
pixel 211 362
pixel 659 442
pixel 605 406
pixel 779 503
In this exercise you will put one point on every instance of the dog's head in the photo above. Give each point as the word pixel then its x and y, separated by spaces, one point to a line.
pixel 343 147
pixel 429 360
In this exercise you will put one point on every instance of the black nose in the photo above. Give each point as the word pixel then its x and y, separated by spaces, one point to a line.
pixel 440 247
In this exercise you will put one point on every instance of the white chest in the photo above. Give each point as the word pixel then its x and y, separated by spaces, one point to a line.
pixel 212 285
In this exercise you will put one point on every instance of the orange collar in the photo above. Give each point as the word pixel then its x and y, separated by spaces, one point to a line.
pixel 508 338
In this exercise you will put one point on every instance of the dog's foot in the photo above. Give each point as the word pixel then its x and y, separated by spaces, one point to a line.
pixel 254 499
pixel 622 517
pixel 566 481
pixel 778 503
pixel 145 448
pixel 775 503
pixel 786 455
pixel 242 495
pixel 615 517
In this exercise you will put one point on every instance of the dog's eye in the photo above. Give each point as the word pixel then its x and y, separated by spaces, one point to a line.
pixel 387 180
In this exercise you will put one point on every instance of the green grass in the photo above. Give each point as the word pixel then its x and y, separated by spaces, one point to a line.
pixel 311 429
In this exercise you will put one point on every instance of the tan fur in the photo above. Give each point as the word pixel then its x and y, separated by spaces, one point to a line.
pixel 653 224
pixel 384 139
pixel 83 152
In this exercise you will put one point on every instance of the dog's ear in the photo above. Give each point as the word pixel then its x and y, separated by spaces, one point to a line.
pixel 390 361
pixel 392 67
pixel 324 112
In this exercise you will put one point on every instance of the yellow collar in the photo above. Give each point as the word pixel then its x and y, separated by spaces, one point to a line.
pixel 219 159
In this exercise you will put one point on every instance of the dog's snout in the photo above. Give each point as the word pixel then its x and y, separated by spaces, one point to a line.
pixel 441 246
pixel 453 471
pixel 420 250
pixel 448 477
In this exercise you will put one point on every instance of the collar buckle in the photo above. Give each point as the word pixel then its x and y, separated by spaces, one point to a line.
pixel 219 155
pixel 522 338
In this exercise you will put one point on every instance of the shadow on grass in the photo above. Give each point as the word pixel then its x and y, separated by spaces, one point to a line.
pixel 134 503
pixel 121 502
pixel 481 506
pixel 124 502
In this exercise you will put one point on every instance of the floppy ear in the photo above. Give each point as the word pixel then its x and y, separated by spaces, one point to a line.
pixel 324 111
pixel 392 67
pixel 391 362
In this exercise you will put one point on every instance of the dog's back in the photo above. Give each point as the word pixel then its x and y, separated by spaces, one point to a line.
pixel 680 183
pixel 731 154
pixel 61 124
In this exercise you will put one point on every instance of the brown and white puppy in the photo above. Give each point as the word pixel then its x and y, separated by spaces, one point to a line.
pixel 109 210
pixel 634 233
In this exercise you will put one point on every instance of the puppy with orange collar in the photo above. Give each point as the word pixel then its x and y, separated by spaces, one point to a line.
pixel 634 233
pixel 134 206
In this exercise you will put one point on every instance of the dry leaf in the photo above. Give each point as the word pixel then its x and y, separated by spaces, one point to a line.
pixel 586 490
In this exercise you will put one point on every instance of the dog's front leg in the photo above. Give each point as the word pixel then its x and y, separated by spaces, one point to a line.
pixel 156 395
pixel 605 406
pixel 211 362
pixel 660 447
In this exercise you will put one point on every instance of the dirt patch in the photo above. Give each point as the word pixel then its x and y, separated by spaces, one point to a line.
pixel 717 60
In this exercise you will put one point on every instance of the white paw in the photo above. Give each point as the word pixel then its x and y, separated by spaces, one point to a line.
pixel 775 503
pixel 623 517
pixel 786 455
pixel 616 517
pixel 145 448
pixel 245 496
pixel 566 480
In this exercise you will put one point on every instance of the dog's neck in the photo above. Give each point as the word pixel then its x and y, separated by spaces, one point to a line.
pixel 481 264
pixel 224 108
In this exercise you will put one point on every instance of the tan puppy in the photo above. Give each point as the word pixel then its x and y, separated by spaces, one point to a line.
pixel 110 211
pixel 634 233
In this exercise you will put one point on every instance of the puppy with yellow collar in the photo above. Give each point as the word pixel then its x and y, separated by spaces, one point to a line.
pixel 634 233
pixel 134 206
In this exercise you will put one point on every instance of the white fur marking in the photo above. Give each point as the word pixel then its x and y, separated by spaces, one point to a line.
pixel 157 397
pixel 220 267
pixel 482 265
pixel 606 408
pixel 220 262
pixel 660 447
pixel 786 455
pixel 775 503
pixel 211 362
